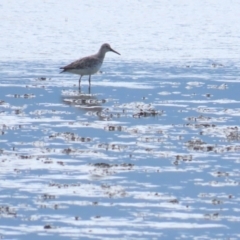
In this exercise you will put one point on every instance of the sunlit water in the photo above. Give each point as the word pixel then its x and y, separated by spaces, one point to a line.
pixel 150 151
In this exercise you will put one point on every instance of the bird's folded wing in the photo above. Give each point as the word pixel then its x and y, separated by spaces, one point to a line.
pixel 86 62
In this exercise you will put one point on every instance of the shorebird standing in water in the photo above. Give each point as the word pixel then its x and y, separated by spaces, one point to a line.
pixel 88 65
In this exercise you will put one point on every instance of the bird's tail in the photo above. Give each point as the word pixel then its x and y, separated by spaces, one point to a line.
pixel 62 70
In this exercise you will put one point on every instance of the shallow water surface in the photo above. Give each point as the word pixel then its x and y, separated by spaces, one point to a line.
pixel 147 147
pixel 150 151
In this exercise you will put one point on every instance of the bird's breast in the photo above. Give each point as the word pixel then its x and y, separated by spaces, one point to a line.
pixel 87 70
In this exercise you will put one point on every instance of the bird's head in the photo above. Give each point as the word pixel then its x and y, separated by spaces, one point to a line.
pixel 107 48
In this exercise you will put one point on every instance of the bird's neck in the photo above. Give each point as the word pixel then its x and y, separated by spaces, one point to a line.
pixel 101 54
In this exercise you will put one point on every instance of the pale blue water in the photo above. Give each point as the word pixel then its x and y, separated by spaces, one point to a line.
pixel 150 151
pixel 169 136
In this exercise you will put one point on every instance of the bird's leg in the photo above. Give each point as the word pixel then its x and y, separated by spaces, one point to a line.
pixel 89 80
pixel 79 82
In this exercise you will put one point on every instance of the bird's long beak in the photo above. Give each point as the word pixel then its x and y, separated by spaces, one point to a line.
pixel 114 51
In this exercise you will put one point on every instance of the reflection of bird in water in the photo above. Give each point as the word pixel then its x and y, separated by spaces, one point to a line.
pixel 84 101
pixel 89 65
